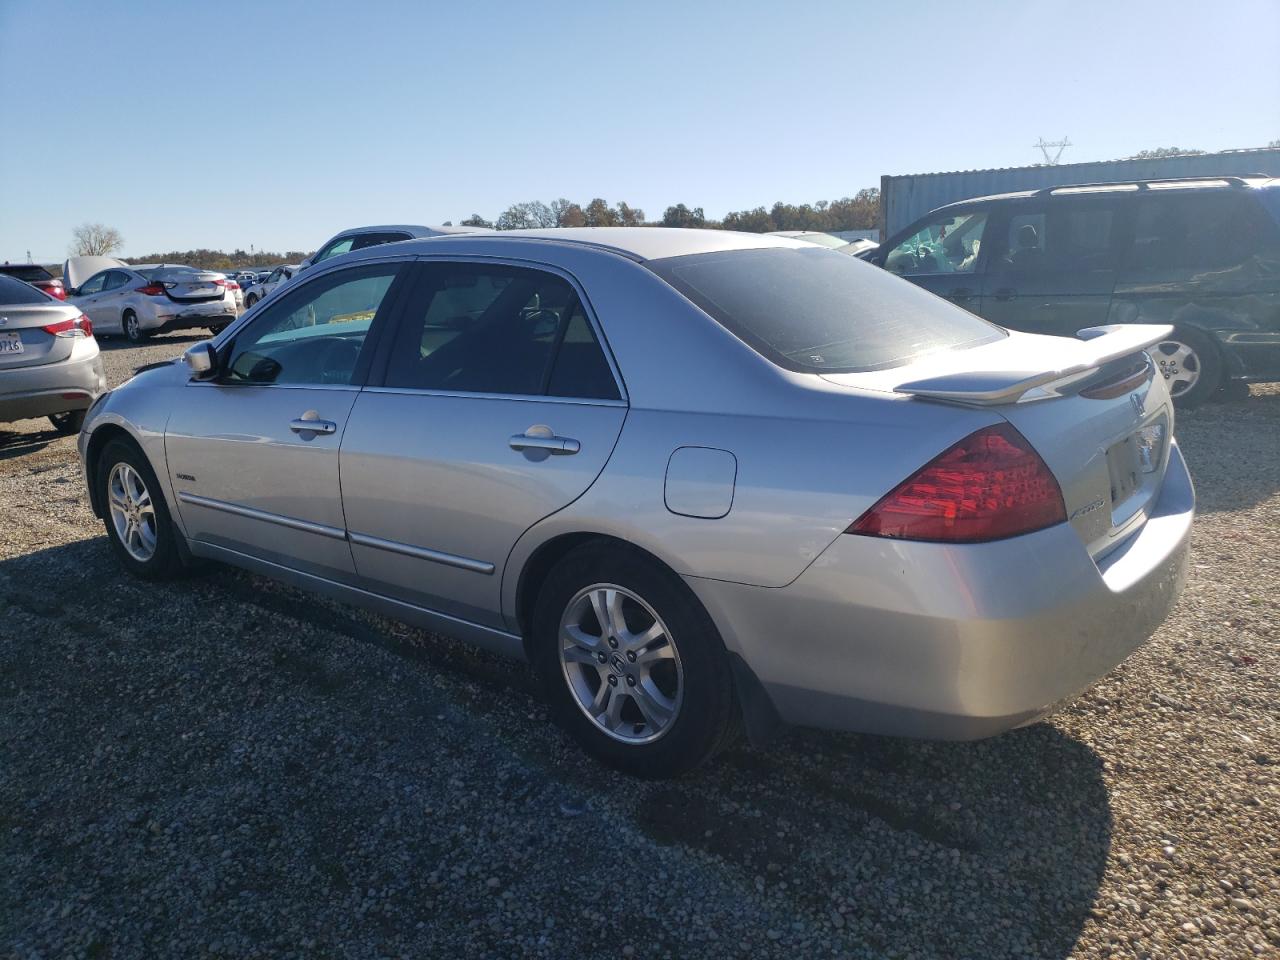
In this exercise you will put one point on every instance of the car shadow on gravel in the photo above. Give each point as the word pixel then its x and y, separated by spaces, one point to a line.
pixel 261 752
pixel 15 443
pixel 182 339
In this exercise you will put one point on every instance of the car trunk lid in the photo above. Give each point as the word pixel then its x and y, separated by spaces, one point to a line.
pixel 23 340
pixel 190 286
pixel 1095 409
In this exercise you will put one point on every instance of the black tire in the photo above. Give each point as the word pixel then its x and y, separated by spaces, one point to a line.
pixel 249 301
pixel 132 329
pixel 68 422
pixel 1204 360
pixel 707 718
pixel 166 562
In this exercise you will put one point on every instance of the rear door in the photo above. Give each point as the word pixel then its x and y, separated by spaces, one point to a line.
pixel 1051 264
pixel 497 406
pixel 253 454
pixel 942 254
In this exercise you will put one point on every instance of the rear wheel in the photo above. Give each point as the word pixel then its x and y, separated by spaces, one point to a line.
pixel 1191 365
pixel 250 300
pixel 137 518
pixel 67 422
pixel 632 663
pixel 132 328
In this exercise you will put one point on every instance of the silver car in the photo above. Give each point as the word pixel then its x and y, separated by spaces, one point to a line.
pixel 700 479
pixel 261 289
pixel 49 361
pixel 139 300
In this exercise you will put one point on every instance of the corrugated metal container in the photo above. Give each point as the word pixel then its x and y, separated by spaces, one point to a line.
pixel 904 198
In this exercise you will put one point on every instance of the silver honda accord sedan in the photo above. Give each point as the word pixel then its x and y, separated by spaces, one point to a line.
pixel 702 480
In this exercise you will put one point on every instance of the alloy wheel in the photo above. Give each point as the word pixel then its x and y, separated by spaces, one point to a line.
pixel 621 663
pixel 133 514
pixel 131 329
pixel 1179 364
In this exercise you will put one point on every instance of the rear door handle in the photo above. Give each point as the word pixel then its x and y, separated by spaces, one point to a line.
pixel 557 446
pixel 309 425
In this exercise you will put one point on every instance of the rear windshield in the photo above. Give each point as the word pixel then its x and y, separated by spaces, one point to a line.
pixel 14 292
pixel 26 271
pixel 817 311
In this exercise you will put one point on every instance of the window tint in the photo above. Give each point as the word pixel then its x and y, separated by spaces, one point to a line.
pixel 314 334
pixel 491 329
pixel 93 284
pixel 14 292
pixel 1204 231
pixel 820 311
pixel 115 280
pixel 376 239
pixel 947 245
pixel 1061 237
pixel 580 368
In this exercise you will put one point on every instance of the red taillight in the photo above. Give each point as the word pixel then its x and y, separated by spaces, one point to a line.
pixel 53 288
pixel 220 282
pixel 152 290
pixel 232 285
pixel 989 486
pixel 79 327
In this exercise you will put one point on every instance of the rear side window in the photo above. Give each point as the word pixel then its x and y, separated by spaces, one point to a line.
pixel 1061 237
pixel 115 280
pixel 376 239
pixel 819 311
pixel 1217 229
pixel 14 292
pixel 503 330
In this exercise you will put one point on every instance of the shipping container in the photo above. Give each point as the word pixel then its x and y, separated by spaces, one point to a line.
pixel 904 198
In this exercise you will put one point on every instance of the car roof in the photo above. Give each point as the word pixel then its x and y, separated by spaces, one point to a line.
pixel 417 230
pixel 635 243
pixel 1225 182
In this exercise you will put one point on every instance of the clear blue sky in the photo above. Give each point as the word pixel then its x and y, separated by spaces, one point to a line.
pixel 223 125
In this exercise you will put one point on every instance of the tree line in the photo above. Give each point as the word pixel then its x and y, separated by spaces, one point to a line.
pixel 859 212
pixel 221 260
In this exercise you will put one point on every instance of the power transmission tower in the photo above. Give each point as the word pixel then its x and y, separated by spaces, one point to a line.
pixel 1047 145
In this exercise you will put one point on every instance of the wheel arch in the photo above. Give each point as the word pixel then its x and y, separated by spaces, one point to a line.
pixel 98 441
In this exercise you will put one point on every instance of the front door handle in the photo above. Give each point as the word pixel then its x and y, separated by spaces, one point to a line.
pixel 1005 293
pixel 312 424
pixel 960 295
pixel 542 438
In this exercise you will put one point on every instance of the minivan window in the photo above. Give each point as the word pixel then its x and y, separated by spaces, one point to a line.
pixel 949 244
pixel 818 311
pixel 1215 229
pixel 1060 237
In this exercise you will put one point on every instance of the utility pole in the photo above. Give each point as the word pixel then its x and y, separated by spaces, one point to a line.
pixel 1047 145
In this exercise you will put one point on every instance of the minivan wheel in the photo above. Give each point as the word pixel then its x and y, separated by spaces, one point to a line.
pixel 137 519
pixel 1191 365
pixel 132 328
pixel 632 663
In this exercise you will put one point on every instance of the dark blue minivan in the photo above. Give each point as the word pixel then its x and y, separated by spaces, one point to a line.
pixel 1203 255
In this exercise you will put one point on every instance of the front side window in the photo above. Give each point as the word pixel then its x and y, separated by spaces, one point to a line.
pixel 946 245
pixel 502 330
pixel 332 250
pixel 313 334
pixel 819 311
pixel 1063 237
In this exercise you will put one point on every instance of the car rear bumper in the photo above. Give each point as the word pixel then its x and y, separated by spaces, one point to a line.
pixel 955 642
pixel 71 384
pixel 176 316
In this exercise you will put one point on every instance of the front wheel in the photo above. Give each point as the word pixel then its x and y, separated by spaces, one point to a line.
pixel 1191 365
pixel 137 519
pixel 132 328
pixel 632 663
pixel 249 301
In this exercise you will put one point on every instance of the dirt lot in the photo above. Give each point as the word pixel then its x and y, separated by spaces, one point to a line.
pixel 226 767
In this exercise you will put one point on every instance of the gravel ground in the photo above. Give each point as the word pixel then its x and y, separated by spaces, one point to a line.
pixel 226 767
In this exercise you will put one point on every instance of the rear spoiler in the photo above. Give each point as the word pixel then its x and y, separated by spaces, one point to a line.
pixel 1100 346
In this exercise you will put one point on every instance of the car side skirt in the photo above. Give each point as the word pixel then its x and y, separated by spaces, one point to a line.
pixel 497 641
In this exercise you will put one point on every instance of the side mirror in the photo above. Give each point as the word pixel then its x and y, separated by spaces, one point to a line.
pixel 202 358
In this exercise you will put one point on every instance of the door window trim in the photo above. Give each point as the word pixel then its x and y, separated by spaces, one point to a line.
pixel 393 301
pixel 376 381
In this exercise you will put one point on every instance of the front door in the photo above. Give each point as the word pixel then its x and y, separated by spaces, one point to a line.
pixel 253 454
pixel 498 407
pixel 942 254
pixel 89 299
pixel 1051 266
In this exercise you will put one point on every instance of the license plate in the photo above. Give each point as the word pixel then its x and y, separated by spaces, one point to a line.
pixel 10 343
pixel 1124 465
